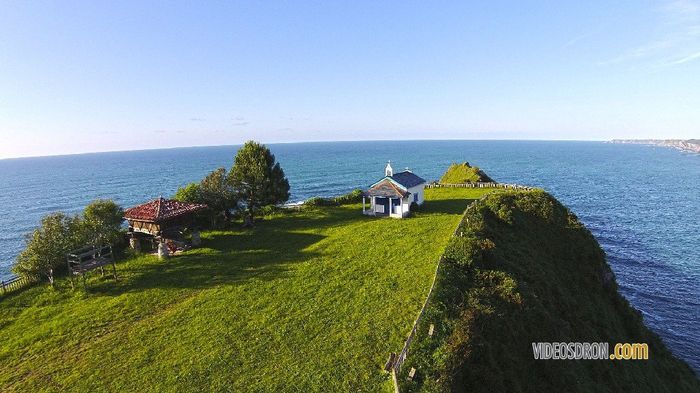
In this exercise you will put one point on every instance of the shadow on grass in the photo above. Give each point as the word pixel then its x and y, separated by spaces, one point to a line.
pixel 230 257
pixel 226 258
pixel 445 206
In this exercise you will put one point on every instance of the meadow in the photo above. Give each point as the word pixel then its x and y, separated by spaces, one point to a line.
pixel 309 300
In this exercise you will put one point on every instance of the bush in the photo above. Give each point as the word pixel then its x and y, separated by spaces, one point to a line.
pixel 270 210
pixel 218 194
pixel 190 193
pixel 354 196
pixel 47 246
pixel 101 223
pixel 59 234
pixel 463 251
pixel 318 201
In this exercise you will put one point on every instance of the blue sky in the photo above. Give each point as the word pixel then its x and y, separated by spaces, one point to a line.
pixel 98 76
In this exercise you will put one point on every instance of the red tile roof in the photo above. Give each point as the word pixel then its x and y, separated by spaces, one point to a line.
pixel 159 210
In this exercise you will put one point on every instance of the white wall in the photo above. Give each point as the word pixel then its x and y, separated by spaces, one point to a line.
pixel 406 204
pixel 420 190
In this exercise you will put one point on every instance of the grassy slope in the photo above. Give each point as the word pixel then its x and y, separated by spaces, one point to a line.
pixel 464 173
pixel 543 281
pixel 310 301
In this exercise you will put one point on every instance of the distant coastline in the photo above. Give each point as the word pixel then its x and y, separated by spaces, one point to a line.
pixel 688 145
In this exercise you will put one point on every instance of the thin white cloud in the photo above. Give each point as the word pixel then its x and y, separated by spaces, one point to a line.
pixel 685 59
pixel 677 39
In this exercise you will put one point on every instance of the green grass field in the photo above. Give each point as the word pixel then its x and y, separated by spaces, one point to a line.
pixel 307 301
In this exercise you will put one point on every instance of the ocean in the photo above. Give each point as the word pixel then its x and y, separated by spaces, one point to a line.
pixel 642 203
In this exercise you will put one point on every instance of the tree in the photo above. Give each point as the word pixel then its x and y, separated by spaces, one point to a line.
pixel 190 193
pixel 101 222
pixel 48 245
pixel 217 193
pixel 257 179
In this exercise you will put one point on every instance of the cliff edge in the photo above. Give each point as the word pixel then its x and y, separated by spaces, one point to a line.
pixel 522 270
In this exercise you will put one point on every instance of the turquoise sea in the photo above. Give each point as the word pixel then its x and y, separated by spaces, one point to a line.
pixel 642 203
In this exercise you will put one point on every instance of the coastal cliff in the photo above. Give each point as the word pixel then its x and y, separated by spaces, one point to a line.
pixel 523 270
pixel 688 145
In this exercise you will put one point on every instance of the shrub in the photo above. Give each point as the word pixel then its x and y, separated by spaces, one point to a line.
pixel 463 250
pixel 190 193
pixel 272 209
pixel 353 196
pixel 47 246
pixel 59 234
pixel 319 201
pixel 101 223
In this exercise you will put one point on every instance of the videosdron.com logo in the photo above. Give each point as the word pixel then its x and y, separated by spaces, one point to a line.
pixel 589 351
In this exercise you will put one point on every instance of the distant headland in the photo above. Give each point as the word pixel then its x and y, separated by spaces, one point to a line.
pixel 689 145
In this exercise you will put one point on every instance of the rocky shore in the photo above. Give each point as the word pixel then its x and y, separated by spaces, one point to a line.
pixel 689 145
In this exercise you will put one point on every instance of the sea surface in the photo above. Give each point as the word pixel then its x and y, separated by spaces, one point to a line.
pixel 641 202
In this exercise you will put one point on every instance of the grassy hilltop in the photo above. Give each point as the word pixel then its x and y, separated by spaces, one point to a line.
pixel 307 301
pixel 526 270
pixel 464 173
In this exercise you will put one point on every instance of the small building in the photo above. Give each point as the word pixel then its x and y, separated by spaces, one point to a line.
pixel 162 219
pixel 392 195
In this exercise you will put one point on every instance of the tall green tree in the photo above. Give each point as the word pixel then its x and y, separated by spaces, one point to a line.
pixel 101 222
pixel 190 193
pixel 217 193
pixel 257 179
pixel 48 245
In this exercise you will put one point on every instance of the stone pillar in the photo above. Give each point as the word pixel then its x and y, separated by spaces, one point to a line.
pixel 363 204
pixel 196 238
pixel 135 244
pixel 163 250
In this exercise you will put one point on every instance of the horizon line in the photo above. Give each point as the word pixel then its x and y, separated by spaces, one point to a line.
pixel 300 142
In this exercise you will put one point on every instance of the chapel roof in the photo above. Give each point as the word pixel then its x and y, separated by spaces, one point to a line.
pixel 407 179
pixel 386 188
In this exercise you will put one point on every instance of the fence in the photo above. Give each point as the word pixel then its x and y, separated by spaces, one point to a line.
pixel 479 185
pixel 395 367
pixel 15 283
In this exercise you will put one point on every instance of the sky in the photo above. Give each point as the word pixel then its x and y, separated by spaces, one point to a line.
pixel 84 76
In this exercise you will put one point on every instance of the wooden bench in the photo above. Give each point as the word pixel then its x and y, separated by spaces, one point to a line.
pixel 89 258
